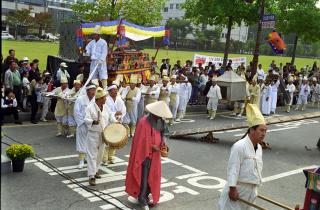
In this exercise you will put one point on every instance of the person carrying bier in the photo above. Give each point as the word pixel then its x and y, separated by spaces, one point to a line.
pixel 245 164
pixel 144 168
pixel 80 106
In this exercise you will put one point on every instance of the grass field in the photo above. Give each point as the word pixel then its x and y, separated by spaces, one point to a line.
pixel 41 50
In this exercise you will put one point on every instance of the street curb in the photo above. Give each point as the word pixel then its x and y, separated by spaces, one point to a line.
pixel 240 125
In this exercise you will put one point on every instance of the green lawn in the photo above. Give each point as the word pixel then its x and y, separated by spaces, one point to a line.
pixel 41 50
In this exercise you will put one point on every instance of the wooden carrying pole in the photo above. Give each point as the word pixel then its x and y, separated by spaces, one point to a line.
pixel 275 202
pixel 251 204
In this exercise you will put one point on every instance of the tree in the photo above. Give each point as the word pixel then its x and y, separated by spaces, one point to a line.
pixel 181 26
pixel 43 20
pixel 222 13
pixel 20 18
pixel 141 12
pixel 300 18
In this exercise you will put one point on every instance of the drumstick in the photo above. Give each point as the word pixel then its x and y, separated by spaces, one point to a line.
pixel 251 204
pixel 275 202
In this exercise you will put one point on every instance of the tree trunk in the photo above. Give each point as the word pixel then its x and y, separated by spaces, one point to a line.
pixel 227 46
pixel 40 31
pixel 294 50
pixel 258 41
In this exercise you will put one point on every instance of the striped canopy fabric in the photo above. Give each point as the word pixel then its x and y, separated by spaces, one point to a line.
pixel 132 31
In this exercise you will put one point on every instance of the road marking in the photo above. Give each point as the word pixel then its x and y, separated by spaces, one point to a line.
pixel 52 158
pixel 235 130
pixel 285 174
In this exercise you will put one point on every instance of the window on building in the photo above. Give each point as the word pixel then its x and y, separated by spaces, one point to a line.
pixel 171 6
pixel 177 6
pixel 165 9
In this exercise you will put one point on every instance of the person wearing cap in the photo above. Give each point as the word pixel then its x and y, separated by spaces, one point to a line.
pixel 131 96
pixel 24 65
pixel 62 73
pixel 290 88
pixel 80 106
pixel 165 90
pixel 254 90
pixel 245 164
pixel 214 96
pixel 72 96
pixel 315 89
pixel 152 94
pixel 97 117
pixel 97 49
pixel 117 107
pixel 144 169
pixel 303 94
pixel 265 101
pixel 174 99
pixel 80 74
pixel 60 111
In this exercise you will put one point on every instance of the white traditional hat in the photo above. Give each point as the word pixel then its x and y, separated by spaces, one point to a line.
pixel 25 59
pixel 95 82
pixel 100 93
pixel 76 82
pixel 165 78
pixel 97 29
pixel 134 79
pixel 174 77
pixel 305 78
pixel 314 79
pixel 116 82
pixel 63 64
pixel 64 80
pixel 152 78
pixel 160 109
pixel 111 87
pixel 254 116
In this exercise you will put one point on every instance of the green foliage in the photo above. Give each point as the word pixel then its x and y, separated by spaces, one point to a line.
pixel 20 18
pixel 179 27
pixel 19 151
pixel 300 17
pixel 141 12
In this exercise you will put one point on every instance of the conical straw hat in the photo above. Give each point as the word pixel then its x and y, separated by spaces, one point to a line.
pixel 160 109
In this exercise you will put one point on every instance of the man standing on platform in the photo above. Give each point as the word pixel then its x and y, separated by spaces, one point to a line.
pixel 98 116
pixel 144 169
pixel 117 107
pixel 245 164
pixel 79 114
pixel 98 50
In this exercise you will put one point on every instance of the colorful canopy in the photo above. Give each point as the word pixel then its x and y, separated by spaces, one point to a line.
pixel 129 30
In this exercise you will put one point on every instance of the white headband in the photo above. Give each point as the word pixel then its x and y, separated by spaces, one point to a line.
pixel 112 87
pixel 90 87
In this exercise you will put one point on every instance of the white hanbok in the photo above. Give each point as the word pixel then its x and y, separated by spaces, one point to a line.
pixel 80 105
pixel 265 105
pixel 214 96
pixel 183 97
pixel 274 96
pixel 244 172
pixel 98 51
pixel 131 116
pixel 174 99
pixel 303 94
pixel 95 145
pixel 116 106
pixel 291 89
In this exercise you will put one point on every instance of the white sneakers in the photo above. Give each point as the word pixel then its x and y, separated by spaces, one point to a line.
pixel 81 164
pixel 70 136
pixel 59 134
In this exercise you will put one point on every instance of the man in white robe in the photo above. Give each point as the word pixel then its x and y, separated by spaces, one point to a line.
pixel 131 96
pixel 165 90
pixel 315 87
pixel 303 95
pixel 81 134
pixel 184 95
pixel 245 164
pixel 291 88
pixel 117 107
pixel 98 51
pixel 274 95
pixel 214 95
pixel 153 92
pixel 265 101
pixel 98 117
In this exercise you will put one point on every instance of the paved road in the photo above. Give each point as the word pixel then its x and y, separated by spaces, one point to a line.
pixel 192 176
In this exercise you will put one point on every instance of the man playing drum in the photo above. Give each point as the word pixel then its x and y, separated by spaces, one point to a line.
pixel 98 117
pixel 245 164
pixel 144 169
pixel 118 108
pixel 79 106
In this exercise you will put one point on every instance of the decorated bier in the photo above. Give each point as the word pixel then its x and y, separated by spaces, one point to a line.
pixel 312 198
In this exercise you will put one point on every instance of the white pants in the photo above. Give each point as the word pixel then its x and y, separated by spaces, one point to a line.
pixel 212 104
pixel 274 99
pixel 132 116
pixel 81 138
pixel 174 109
pixel 303 99
pixel 62 119
pixel 101 71
pixel 247 192
pixel 95 148
pixel 71 121
pixel 182 104
pixel 45 107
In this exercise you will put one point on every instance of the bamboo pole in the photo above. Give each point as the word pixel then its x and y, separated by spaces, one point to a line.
pixel 275 202
pixel 251 204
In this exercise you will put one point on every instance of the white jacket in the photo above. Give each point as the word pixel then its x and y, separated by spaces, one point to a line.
pixel 97 50
pixel 214 92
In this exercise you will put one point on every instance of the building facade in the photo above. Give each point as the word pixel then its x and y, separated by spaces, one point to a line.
pixel 173 10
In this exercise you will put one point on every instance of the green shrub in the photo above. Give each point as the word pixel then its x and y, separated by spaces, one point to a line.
pixel 19 151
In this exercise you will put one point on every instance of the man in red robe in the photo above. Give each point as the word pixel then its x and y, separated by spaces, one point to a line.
pixel 144 169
